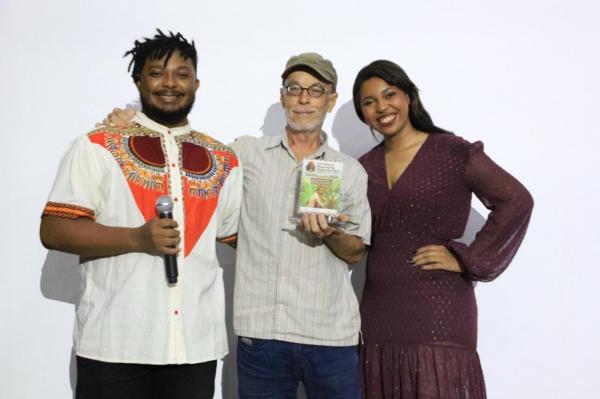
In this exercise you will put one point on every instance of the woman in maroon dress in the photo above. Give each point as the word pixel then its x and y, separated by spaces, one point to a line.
pixel 419 316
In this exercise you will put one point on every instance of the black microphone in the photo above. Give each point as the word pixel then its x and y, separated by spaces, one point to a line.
pixel 164 207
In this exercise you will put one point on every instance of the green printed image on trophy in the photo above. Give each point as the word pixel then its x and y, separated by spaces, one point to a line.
pixel 319 187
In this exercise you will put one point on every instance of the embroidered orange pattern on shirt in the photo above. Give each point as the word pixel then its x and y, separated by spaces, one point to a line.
pixel 206 165
pixel 147 180
pixel 68 211
pixel 228 240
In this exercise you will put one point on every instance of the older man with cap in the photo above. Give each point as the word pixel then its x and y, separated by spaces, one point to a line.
pixel 295 312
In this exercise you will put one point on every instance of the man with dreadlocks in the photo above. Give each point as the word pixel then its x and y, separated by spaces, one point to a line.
pixel 295 312
pixel 137 336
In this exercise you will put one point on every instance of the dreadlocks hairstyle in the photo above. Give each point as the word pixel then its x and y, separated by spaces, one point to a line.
pixel 393 75
pixel 159 46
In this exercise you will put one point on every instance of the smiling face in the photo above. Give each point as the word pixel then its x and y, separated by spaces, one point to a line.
pixel 167 91
pixel 385 108
pixel 306 114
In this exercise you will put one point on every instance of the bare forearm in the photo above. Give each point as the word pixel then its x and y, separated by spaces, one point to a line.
pixel 348 247
pixel 85 237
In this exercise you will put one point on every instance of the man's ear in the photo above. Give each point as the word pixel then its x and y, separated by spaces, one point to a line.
pixel 332 101
pixel 197 84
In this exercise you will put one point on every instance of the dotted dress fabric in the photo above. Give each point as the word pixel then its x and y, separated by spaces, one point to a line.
pixel 420 327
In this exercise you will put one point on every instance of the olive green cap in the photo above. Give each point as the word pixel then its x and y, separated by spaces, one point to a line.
pixel 321 66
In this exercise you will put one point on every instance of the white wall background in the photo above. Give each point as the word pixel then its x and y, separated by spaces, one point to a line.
pixel 521 75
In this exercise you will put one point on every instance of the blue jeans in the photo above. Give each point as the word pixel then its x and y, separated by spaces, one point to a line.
pixel 269 369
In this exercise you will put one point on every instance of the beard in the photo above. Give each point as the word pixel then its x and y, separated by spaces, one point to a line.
pixel 305 127
pixel 164 117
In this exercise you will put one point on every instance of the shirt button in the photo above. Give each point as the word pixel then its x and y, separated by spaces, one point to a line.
pixel 175 199
pixel 173 165
pixel 168 131
pixel 176 312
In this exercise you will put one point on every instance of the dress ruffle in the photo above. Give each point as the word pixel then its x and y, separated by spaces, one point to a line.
pixel 418 371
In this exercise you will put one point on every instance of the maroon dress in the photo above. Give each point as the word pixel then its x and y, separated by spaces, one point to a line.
pixel 420 327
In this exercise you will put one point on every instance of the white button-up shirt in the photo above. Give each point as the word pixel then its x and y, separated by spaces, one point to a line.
pixel 289 285
pixel 127 312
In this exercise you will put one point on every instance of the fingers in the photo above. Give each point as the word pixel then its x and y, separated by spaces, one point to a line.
pixel 427 254
pixel 304 222
pixel 343 218
pixel 166 237
pixel 123 117
pixel 120 118
pixel 168 246
pixel 166 223
pixel 311 224
pixel 429 248
pixel 433 266
pixel 315 227
pixel 168 243
pixel 316 224
pixel 435 257
pixel 161 237
pixel 105 122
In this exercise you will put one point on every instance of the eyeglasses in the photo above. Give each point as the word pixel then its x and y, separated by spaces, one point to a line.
pixel 315 90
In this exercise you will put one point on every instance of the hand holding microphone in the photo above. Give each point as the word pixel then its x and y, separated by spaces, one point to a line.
pixel 159 236
pixel 164 207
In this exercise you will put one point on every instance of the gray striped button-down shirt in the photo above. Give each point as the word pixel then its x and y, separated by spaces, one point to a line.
pixel 289 285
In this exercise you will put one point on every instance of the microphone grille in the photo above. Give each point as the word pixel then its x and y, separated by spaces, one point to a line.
pixel 164 204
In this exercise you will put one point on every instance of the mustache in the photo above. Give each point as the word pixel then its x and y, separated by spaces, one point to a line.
pixel 168 93
pixel 304 109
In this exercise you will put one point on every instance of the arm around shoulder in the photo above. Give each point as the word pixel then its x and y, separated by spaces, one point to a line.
pixel 228 210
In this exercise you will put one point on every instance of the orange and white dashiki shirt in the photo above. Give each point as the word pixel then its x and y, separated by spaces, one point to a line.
pixel 127 312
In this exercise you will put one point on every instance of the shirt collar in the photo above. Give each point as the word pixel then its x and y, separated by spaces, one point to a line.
pixel 143 120
pixel 276 141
